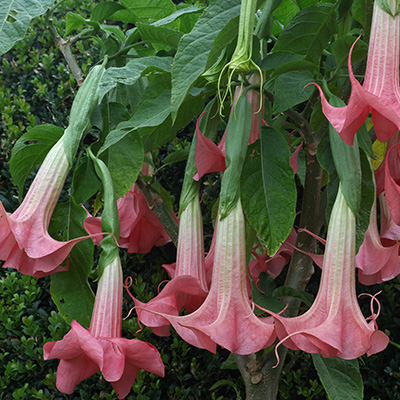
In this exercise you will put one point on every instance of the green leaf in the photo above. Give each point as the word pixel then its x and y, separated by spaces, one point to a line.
pixel 104 10
pixel 261 294
pixel 286 291
pixel 31 149
pixel 145 10
pixel 85 182
pixel 132 71
pixel 347 163
pixel 309 31
pixel 194 48
pixel 268 190
pixel 288 9
pixel 15 17
pixel 224 38
pixel 160 35
pixel 341 379
pixel 123 154
pixel 73 21
pixel 341 48
pixel 70 290
pixel 277 59
pixel 154 137
pixel 176 156
pixel 358 11
pixel 367 198
pixel 290 89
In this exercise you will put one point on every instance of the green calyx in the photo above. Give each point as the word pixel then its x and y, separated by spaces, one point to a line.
pixel 392 7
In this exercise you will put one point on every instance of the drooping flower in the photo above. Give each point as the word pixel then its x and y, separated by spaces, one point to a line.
pixel 140 229
pixel 25 243
pixel 380 93
pixel 188 287
pixel 84 352
pixel 377 259
pixel 226 316
pixel 273 266
pixel 334 326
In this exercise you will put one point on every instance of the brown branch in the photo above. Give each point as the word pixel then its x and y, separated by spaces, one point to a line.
pixel 65 48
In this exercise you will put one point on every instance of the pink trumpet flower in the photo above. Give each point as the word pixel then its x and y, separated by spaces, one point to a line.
pixel 380 93
pixel 25 243
pixel 334 326
pixel 226 316
pixel 273 266
pixel 140 229
pixel 188 287
pixel 377 259
pixel 84 352
pixel 392 179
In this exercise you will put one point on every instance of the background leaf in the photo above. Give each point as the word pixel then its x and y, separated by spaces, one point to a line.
pixel 31 149
pixel 15 17
pixel 70 290
pixel 123 154
pixel 309 31
pixel 341 378
pixel 194 48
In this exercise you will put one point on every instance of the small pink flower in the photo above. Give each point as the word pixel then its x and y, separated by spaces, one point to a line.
pixel 25 243
pixel 273 266
pixel 140 229
pixel 84 352
pixel 378 259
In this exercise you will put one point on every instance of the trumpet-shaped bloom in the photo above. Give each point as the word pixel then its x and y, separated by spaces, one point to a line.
pixel 140 229
pixel 273 266
pixel 84 352
pixel 25 243
pixel 226 316
pixel 334 326
pixel 380 93
pixel 377 259
pixel 188 287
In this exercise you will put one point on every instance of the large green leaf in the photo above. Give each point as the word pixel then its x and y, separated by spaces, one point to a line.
pixel 154 137
pixel 290 89
pixel 70 290
pixel 31 149
pixel 309 31
pixel 15 17
pixel 194 48
pixel 269 190
pixel 132 71
pixel 160 35
pixel 123 154
pixel 145 10
pixel 341 379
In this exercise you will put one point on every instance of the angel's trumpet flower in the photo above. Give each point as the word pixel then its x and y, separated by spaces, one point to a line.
pixel 334 326
pixel 84 352
pixel 226 316
pixel 188 287
pixel 380 93
pixel 25 243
